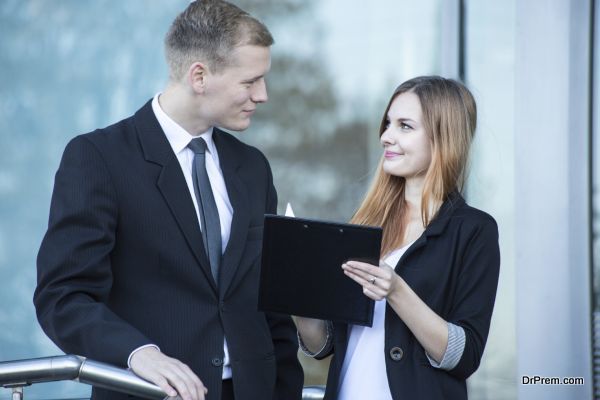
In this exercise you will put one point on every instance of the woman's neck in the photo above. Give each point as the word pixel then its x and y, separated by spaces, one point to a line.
pixel 413 194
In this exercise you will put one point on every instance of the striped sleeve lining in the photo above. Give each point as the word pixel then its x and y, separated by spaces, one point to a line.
pixel 326 346
pixel 454 349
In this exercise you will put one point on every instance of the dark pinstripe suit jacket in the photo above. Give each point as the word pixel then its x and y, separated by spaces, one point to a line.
pixel 122 263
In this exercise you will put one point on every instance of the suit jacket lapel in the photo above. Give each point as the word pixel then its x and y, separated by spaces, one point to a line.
pixel 171 183
pixel 238 196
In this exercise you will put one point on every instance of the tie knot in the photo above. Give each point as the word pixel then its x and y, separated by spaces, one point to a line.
pixel 198 145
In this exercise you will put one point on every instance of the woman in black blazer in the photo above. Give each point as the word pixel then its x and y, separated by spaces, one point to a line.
pixel 436 284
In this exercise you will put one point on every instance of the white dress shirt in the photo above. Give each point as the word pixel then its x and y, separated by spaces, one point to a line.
pixel 179 139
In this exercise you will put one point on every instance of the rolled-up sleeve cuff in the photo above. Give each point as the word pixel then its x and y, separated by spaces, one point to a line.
pixel 326 346
pixel 138 349
pixel 454 349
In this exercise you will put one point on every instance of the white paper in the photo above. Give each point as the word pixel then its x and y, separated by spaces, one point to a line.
pixel 288 211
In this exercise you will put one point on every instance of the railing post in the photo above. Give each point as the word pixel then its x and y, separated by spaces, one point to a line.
pixel 17 393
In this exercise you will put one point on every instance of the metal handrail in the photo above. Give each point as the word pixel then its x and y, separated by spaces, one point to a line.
pixel 19 373
pixel 315 392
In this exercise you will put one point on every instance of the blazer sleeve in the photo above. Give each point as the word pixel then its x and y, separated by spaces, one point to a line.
pixel 74 261
pixel 290 377
pixel 475 294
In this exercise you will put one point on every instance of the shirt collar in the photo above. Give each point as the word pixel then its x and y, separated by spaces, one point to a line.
pixel 178 137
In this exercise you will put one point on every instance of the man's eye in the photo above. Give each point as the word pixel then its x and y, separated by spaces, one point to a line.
pixel 250 83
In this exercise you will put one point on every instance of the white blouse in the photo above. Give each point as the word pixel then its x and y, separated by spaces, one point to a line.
pixel 363 374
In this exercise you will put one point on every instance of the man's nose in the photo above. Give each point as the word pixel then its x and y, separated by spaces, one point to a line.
pixel 259 94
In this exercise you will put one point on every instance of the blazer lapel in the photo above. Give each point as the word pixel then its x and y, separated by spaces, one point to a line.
pixel 171 183
pixel 436 226
pixel 238 196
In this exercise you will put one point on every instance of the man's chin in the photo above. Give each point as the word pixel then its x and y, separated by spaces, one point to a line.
pixel 237 127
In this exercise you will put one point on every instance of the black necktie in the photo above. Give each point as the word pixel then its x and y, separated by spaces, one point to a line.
pixel 209 214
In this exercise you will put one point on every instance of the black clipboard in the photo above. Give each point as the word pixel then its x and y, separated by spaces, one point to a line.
pixel 301 271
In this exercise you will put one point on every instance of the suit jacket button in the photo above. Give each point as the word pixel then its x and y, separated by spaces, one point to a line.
pixel 216 362
pixel 396 353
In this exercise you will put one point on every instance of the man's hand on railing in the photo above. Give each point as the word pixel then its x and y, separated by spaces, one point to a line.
pixel 170 374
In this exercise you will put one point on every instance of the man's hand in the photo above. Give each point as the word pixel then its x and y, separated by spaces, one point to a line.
pixel 173 376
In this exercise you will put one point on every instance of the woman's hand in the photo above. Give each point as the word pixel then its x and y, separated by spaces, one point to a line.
pixel 382 282
pixel 377 282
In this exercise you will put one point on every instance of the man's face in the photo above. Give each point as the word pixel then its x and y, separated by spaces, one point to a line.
pixel 232 95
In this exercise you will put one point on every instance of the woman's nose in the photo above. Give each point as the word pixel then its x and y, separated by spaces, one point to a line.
pixel 386 138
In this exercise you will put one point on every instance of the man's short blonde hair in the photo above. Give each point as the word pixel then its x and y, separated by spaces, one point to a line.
pixel 208 31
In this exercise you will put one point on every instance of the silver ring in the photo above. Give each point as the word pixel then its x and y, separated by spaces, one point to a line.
pixel 372 281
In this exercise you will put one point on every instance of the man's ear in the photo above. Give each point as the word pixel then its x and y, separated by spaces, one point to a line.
pixel 197 76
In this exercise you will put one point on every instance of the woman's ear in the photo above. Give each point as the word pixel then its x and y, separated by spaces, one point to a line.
pixel 197 76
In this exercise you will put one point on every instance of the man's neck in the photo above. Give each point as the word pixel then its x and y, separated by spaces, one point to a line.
pixel 181 106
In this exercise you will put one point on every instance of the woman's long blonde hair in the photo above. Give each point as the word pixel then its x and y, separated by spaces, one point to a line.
pixel 449 118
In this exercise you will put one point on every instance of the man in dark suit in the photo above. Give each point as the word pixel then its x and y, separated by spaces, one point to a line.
pixel 152 254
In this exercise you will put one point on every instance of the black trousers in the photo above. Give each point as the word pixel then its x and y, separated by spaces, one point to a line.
pixel 227 390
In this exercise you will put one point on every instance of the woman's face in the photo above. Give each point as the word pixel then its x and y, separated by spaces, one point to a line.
pixel 406 145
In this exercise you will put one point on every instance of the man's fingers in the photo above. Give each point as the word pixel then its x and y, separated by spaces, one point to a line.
pixel 192 385
pixel 171 375
pixel 196 383
pixel 184 386
pixel 164 385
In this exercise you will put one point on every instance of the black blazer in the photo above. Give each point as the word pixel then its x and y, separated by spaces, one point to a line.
pixel 454 268
pixel 122 263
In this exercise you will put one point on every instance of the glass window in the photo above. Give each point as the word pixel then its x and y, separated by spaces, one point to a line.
pixel 65 71
pixel 490 31
pixel 335 64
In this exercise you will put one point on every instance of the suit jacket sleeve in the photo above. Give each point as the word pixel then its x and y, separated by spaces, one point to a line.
pixel 290 378
pixel 74 261
pixel 475 295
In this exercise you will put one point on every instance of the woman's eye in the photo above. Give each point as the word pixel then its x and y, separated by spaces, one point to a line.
pixel 404 126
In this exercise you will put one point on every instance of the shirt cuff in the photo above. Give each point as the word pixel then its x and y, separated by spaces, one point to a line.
pixel 136 350
pixel 326 346
pixel 454 349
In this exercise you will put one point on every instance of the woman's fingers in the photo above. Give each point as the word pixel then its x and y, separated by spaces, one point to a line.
pixel 372 295
pixel 373 289
pixel 366 267
pixel 369 272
